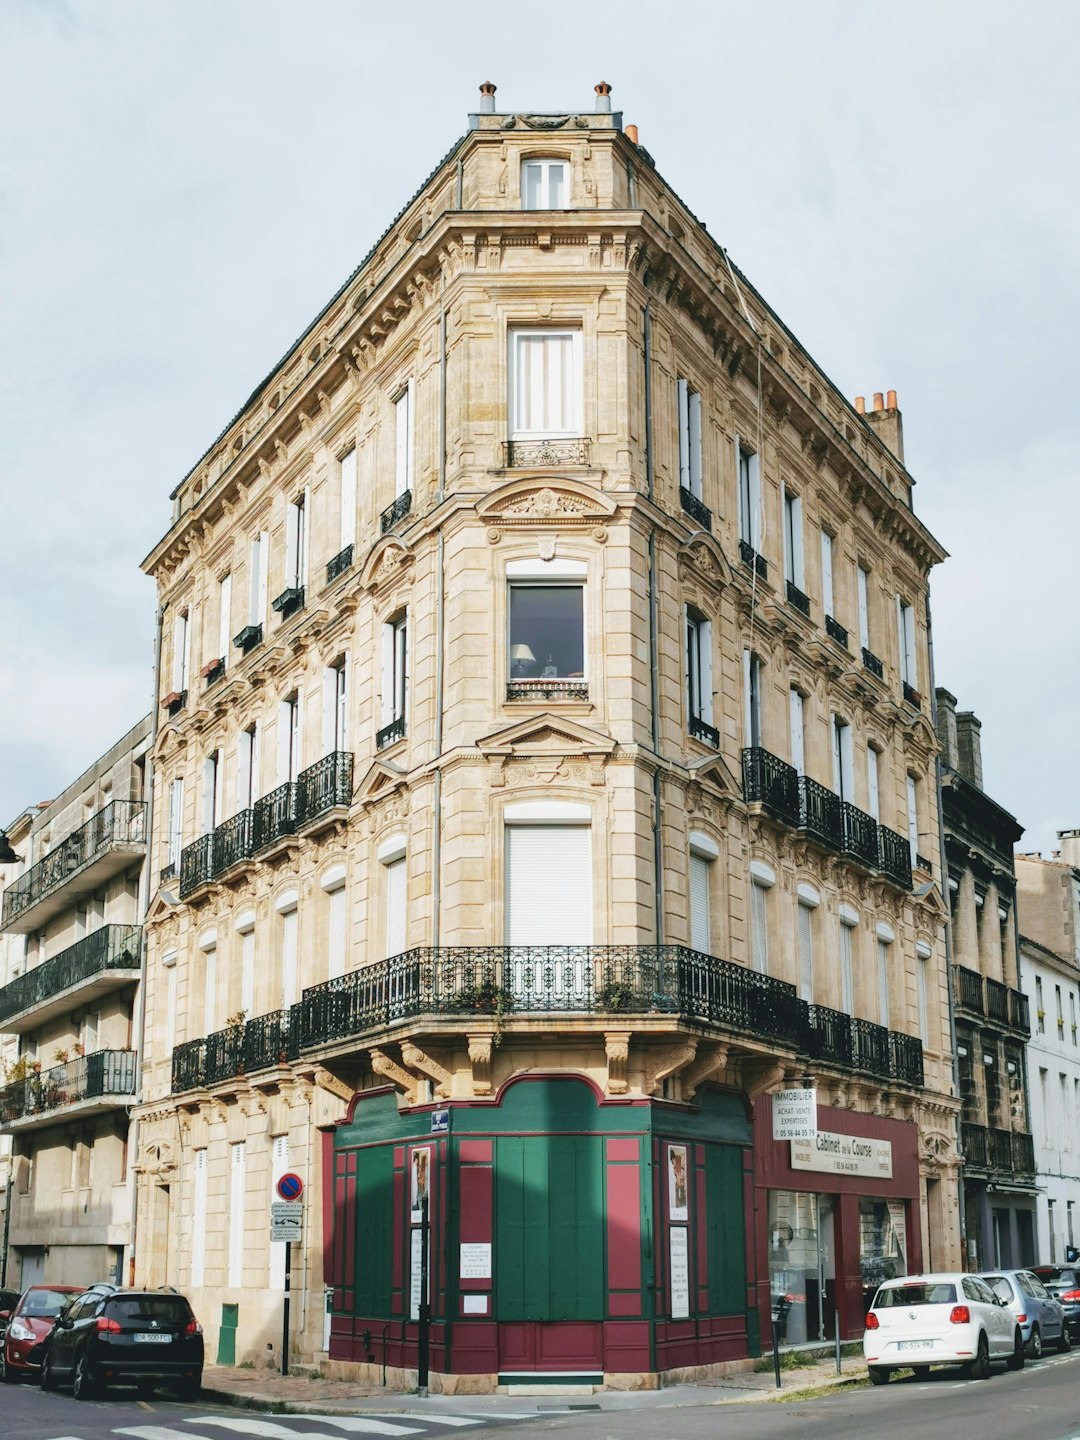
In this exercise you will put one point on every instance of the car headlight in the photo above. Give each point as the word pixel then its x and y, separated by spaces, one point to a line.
pixel 18 1331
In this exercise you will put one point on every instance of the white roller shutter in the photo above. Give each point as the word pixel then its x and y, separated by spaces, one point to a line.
pixel 348 499
pixel 826 574
pixel 700 927
pixel 337 933
pixel 290 923
pixel 806 954
pixel 847 977
pixel 395 907
pixel 548 885
pixel 224 617
pixel 759 933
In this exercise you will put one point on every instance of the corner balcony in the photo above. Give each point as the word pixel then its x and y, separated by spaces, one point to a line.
pixel 105 846
pixel 89 1085
pixel 95 965
pixel 542 454
pixel 1009 1154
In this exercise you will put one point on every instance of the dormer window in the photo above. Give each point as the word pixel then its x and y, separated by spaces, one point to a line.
pixel 545 184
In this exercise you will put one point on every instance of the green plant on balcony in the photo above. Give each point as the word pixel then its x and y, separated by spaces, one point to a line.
pixel 60 1055
pixel 488 998
pixel 617 996
pixel 234 1024
pixel 21 1069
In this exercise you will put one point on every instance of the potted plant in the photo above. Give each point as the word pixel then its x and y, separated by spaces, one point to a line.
pixel 489 998
pixel 618 996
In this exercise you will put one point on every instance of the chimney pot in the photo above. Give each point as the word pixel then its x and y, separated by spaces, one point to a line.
pixel 879 400
pixel 630 131
pixel 890 400
pixel 487 102
pixel 603 97
pixel 860 404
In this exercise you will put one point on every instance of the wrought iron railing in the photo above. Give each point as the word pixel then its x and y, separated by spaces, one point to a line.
pixel 836 631
pixel 906 1055
pixel 703 731
pixel 753 560
pixel 829 1035
pixel 771 783
pixel 167 873
pixel 552 688
pixel 175 702
pixel 89 1077
pixel 274 816
pixel 113 947
pixel 870 1047
pixel 1019 1012
pixel 912 696
pixel 395 512
pixel 820 813
pixel 695 508
pixel 973 1139
pixel 997 1001
pixel 249 637
pixel 122 822
pixel 922 863
pixel 894 856
pixel 188 1065
pixel 969 990
pixel 1023 1153
pixel 872 663
pixel 860 833
pixel 232 841
pixel 522 453
pixel 289 601
pixel 325 785
pixel 196 864
pixel 1008 1152
pixel 339 564
pixel 390 733
pixel 797 598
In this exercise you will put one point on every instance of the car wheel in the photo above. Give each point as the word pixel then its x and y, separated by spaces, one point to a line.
pixel 878 1375
pixel 1017 1358
pixel 7 1374
pixel 979 1369
pixel 921 1372
pixel 1034 1345
pixel 1065 1343
pixel 83 1386
pixel 48 1378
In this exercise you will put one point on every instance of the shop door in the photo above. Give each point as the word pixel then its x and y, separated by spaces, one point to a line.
pixel 827 1266
pixel 797 1271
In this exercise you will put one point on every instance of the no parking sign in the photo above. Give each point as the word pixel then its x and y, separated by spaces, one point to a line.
pixel 290 1187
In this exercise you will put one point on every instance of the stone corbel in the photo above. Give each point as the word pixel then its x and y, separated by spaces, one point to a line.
pixel 617 1049
pixel 332 1085
pixel 409 1084
pixel 708 1065
pixel 480 1047
pixel 660 1064
pixel 416 1059
pixel 756 1073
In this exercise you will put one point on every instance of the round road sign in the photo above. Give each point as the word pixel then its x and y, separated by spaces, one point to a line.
pixel 290 1187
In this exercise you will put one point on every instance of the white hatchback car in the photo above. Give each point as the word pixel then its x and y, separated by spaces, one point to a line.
pixel 950 1319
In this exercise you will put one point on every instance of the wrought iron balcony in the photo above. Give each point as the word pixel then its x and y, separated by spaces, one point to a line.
pixel 753 560
pixel 821 813
pixel 391 733
pixel 274 816
pixel 694 508
pixel 553 688
pixel 261 1043
pixel 102 847
pixel 872 663
pixel 771 783
pixel 922 863
pixel 339 564
pixel 912 696
pixel 167 873
pixel 836 631
pixel 196 864
pixel 796 597
pixel 1008 1153
pixel 860 832
pixel 95 1082
pixel 894 856
pixel 249 637
pixel 1019 1012
pixel 232 841
pixel 997 1001
pixel 213 672
pixel 906 1055
pixel 969 990
pixel 840 1039
pixel 94 965
pixel 703 731
pixel 976 1150
pixel 395 512
pixel 324 786
pixel 525 454
pixel 870 1047
pixel 289 601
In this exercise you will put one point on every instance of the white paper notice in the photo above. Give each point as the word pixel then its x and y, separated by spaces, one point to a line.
pixel 415 1273
pixel 474 1304
pixel 679 1268
pixel 475 1262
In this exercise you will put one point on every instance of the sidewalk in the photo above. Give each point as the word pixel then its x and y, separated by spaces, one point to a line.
pixel 303 1395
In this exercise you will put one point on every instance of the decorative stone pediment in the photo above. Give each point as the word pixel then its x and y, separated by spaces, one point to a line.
pixel 389 561
pixel 932 899
pixel 545 735
pixel 715 770
pixel 702 558
pixel 554 501
pixel 381 780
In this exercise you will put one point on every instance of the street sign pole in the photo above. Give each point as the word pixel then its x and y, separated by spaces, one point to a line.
pixel 285 1313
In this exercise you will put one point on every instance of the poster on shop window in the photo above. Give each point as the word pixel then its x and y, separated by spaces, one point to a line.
pixel 677 1182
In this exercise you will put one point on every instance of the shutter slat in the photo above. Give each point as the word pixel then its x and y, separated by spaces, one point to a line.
pixel 549 885
pixel 700 923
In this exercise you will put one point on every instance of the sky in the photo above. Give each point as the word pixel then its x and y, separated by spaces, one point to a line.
pixel 183 185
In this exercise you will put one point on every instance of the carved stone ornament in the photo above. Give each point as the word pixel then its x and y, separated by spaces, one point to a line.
pixel 617 1050
pixel 660 1064
pixel 408 1084
pixel 417 1059
pixel 554 503
pixel 480 1060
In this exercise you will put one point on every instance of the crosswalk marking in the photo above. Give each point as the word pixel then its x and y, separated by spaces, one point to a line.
pixel 426 1419
pixel 271 1431
pixel 357 1426
pixel 157 1432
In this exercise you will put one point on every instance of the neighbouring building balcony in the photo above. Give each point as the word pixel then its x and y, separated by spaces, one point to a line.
pixel 106 960
pixel 103 847
pixel 991 1001
pixel 797 597
pixel 78 1089
pixel 997 1152
pixel 661 987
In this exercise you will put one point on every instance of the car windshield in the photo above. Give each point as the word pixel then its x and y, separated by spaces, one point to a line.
pixel 150 1309
pixel 938 1293
pixel 47 1303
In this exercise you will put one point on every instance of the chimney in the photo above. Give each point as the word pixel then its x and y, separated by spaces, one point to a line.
pixel 1069 840
pixel 886 421
pixel 630 131
pixel 946 727
pixel 487 100
pixel 603 98
pixel 969 746
pixel 860 404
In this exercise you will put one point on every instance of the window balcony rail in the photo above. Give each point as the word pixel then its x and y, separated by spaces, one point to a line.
pixel 232 841
pixel 552 688
pixel 390 733
pixel 249 637
pixel 796 597
pixel 820 813
pixel 524 454
pixel 289 601
pixel 122 822
pixel 213 672
pixel 771 783
pixel 174 702
pixel 872 663
pixel 829 1036
pixel 113 947
pixel 969 990
pixel 860 835
pixel 1023 1153
pixel 836 631
pixel 339 564
pixel 697 511
pixel 1019 1012
pixel 703 731
pixel 894 856
pixel 974 1140
pixel 101 1074
pixel 1000 1150
pixel 196 864
pixel 870 1049
pixel 261 1043
pixel 912 696
pixel 271 1040
pixel 906 1055
pixel 753 561
pixel 922 863
pixel 274 816
pixel 325 786
pixel 395 512
pixel 1008 1152
pixel 167 873
pixel 997 1001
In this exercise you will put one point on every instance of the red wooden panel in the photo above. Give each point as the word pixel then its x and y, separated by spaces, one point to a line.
pixel 399 1157
pixel 398 1274
pixel 476 1211
pixel 569 1345
pixel 621 1149
pixel 475 1152
pixel 626 1347
pixel 624 1304
pixel 476 1348
pixel 624 1227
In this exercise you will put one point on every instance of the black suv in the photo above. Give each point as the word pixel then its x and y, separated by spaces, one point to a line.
pixel 112 1336
pixel 1063 1282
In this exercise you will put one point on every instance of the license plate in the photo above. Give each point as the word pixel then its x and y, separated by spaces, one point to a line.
pixel 151 1337
pixel 915 1344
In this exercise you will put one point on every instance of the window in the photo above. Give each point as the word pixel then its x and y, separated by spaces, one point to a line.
pixel 1072 1014
pixel 809 900
pixel 762 879
pixel 548 852
pixel 335 707
pixel 1050 1220
pixel 795 715
pixel 245 927
pixel 208 946
pixel 843 760
pixel 296 519
pixel 905 621
pixel 1059 1010
pixel 703 855
pixel 393 859
pixel 224 639
pixel 793 539
pixel 547 621
pixel 213 780
pixel 287 907
pixel 863 586
pixel 698 673
pixel 289 739
pixel 403 441
pixel 1066 1121
pixel 689 402
pixel 873 799
pixel 849 919
pixel 247 768
pixel 237 1206
pixel 198 1213
pixel 545 383
pixel 176 822
pixel 826 573
pixel 923 953
pixel 544 185
pixel 749 479
pixel 913 816
pixel 168 962
pixel 181 651
pixel 347 524
pixel 395 676
pixel 257 578
pixel 752 698
pixel 885 938
pixel 334 885
pixel 1040 1008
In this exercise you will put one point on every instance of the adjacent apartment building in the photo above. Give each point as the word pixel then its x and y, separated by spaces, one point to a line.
pixel 991 1009
pixel 1049 899
pixel 69 1019
pixel 544 773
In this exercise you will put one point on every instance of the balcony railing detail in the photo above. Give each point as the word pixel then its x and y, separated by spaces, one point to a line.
pixel 894 856
pixel 906 1055
pixel 860 833
pixel 1019 1013
pixel 390 733
pixel 122 822
pixel 836 631
pixel 274 816
pixel 771 783
pixel 753 560
pixel 522 454
pixel 174 702
pixel 997 1001
pixel 1008 1152
pixel 113 947
pixel 325 785
pixel 796 597
pixel 872 663
pixel 196 864
pixel 395 512
pixel 922 863
pixel 167 873
pixel 232 841
pixel 820 813
pixel 695 508
pixel 289 601
pixel 552 688
pixel 90 1077
pixel 969 990
pixel 703 731
pixel 249 637
pixel 339 564
pixel 912 696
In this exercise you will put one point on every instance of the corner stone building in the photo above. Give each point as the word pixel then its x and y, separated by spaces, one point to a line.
pixel 543 652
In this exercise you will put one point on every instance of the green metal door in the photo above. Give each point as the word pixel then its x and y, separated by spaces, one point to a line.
pixel 226 1348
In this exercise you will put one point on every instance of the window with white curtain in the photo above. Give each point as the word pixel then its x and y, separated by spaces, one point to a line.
pixel 395 669
pixel 176 821
pixel 213 786
pixel 885 938
pixel 287 906
pixel 168 962
pixel 795 715
pixel 913 816
pixel 827 574
pixel 335 707
pixel 905 623
pixel 199 1197
pixel 862 578
pixel 393 859
pixel 403 440
pixel 545 184
pixel 873 795
pixel 704 853
pixel 296 527
pixel 749 482
pixel 689 406
pixel 548 853
pixel 699 686
pixel 545 383
pixel 247 766
pixel 752 698
pixel 849 920
pixel 237 1216
pixel 923 954
pixel 208 946
pixel 181 651
pixel 289 739
pixel 347 499
pixel 335 900
pixel 257 574
pixel 224 637
pixel 805 913
pixel 843 760
pixel 245 928
pixel 793 539
pixel 762 879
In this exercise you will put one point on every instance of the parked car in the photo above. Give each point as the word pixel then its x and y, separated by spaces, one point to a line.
pixel 8 1300
pixel 949 1319
pixel 1040 1316
pixel 28 1327
pixel 1063 1282
pixel 113 1336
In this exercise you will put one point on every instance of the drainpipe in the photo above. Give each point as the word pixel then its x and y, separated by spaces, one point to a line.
pixel 654 683
pixel 440 568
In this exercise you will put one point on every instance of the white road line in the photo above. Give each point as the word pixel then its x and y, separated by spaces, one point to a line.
pixel 157 1432
pixel 270 1431
pixel 348 1422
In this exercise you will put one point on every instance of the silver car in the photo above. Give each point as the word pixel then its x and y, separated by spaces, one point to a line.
pixel 1041 1318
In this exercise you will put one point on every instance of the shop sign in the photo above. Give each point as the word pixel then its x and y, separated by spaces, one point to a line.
pixel 843 1155
pixel 794 1114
